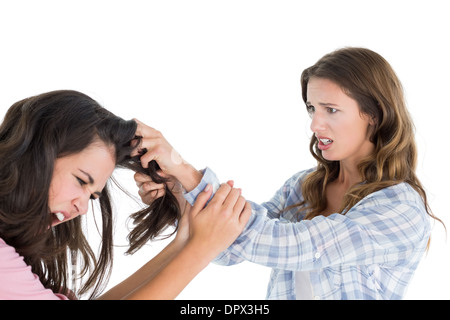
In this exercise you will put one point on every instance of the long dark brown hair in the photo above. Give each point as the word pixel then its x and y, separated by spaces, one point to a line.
pixel 34 133
pixel 367 77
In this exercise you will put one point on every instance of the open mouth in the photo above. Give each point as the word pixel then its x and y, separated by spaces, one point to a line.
pixel 326 141
pixel 60 216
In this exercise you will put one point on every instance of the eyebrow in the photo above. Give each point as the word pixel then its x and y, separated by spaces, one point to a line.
pixel 323 104
pixel 327 104
pixel 91 181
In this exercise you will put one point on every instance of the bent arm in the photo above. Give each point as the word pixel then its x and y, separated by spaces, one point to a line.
pixel 389 226
pixel 211 229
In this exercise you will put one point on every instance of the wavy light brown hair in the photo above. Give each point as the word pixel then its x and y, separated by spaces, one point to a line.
pixel 34 133
pixel 369 79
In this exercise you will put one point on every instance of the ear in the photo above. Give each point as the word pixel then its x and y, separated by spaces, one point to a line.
pixel 372 121
pixel 371 118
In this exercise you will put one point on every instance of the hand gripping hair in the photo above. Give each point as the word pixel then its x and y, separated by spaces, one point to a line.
pixel 162 212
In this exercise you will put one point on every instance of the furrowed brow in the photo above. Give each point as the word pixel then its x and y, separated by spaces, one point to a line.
pixel 91 182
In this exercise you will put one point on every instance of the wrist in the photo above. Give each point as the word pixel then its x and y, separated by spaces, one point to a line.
pixel 188 176
pixel 178 244
pixel 199 252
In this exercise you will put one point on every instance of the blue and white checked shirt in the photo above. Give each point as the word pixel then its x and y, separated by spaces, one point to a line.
pixel 371 252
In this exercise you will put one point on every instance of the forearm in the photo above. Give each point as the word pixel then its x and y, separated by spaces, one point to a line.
pixel 188 176
pixel 174 276
pixel 144 274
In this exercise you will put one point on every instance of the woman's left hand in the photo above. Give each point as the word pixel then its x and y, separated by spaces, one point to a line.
pixel 215 227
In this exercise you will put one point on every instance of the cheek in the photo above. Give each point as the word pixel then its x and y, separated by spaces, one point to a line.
pixel 350 135
pixel 53 192
pixel 60 193
pixel 352 128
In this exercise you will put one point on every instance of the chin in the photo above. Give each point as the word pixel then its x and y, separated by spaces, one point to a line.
pixel 329 156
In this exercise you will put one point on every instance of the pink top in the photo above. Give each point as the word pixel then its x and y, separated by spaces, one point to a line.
pixel 17 282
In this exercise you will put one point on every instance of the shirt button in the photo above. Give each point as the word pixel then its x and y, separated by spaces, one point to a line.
pixel 317 255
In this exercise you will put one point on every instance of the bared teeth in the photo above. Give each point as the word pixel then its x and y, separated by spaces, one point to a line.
pixel 326 141
pixel 60 216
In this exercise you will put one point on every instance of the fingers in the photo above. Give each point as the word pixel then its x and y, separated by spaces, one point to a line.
pixel 221 198
pixel 153 146
pixel 150 138
pixel 239 207
pixel 151 189
pixel 145 183
pixel 231 202
pixel 147 144
pixel 221 194
pixel 143 178
pixel 232 199
pixel 245 214
pixel 201 201
pixel 217 225
pixel 143 130
pixel 148 190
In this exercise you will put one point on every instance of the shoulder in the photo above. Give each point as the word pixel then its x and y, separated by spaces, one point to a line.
pixel 8 254
pixel 286 195
pixel 17 281
pixel 298 178
pixel 291 189
pixel 396 194
pixel 396 207
pixel 290 194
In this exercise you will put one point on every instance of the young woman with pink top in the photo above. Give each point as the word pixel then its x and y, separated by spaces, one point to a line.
pixel 58 151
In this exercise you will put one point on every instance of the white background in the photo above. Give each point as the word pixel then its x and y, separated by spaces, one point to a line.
pixel 220 79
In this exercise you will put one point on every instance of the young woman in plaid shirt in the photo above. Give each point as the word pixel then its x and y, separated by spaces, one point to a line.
pixel 356 225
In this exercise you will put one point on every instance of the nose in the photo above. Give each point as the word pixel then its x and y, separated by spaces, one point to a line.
pixel 81 205
pixel 318 122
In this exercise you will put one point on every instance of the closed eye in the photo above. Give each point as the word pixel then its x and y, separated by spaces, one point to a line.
pixel 83 183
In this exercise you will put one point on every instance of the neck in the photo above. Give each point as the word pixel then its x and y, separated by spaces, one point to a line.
pixel 348 174
pixel 348 168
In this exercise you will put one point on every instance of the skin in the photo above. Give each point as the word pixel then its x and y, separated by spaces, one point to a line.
pixel 193 248
pixel 203 233
pixel 78 178
pixel 160 150
pixel 337 116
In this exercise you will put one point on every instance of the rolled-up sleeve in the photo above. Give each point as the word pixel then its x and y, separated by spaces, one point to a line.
pixel 387 227
pixel 371 234
pixel 209 177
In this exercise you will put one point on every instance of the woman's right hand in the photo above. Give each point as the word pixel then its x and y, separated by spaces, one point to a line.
pixel 149 190
pixel 154 147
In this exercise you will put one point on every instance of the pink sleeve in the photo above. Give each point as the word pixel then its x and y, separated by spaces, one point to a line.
pixel 17 281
